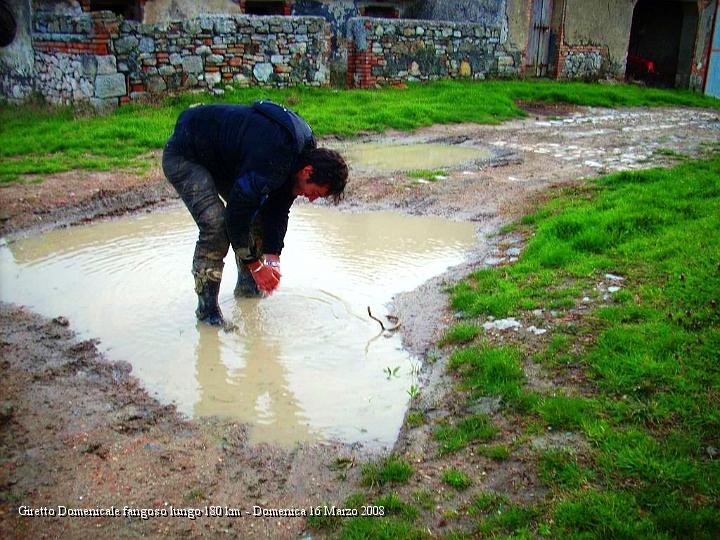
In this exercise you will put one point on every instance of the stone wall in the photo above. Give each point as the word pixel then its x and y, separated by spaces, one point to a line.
pixel 387 51
pixel 99 58
pixel 582 63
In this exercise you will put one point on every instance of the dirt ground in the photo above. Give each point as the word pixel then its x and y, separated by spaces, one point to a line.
pixel 79 431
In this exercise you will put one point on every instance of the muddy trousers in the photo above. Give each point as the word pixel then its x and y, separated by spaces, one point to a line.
pixel 196 188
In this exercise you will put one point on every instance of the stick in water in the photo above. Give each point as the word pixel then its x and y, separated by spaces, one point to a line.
pixel 390 317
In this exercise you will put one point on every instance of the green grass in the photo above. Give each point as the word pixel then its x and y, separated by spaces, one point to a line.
pixel 397 521
pixel 427 174
pixel 498 452
pixel 456 478
pixel 496 371
pixel 391 469
pixel 394 506
pixel 487 502
pixel 460 333
pixel 380 529
pixel 562 412
pixel 415 418
pixel 36 139
pixel 325 521
pixel 649 409
pixel 496 515
pixel 453 437
pixel 560 468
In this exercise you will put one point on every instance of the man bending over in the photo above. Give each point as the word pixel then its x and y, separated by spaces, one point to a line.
pixel 238 170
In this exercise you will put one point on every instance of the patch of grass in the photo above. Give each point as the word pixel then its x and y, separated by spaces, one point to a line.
pixel 460 333
pixel 468 430
pixel 392 469
pixel 497 515
pixel 456 478
pixel 427 174
pixel 493 371
pixel 396 523
pixel 415 418
pixel 356 500
pixel 560 468
pixel 558 351
pixel 424 498
pixel 512 520
pixel 598 514
pixel 487 502
pixel 195 494
pixel 394 506
pixel 563 412
pixel 380 528
pixel 670 153
pixel 648 356
pixel 486 293
pixel 324 521
pixel 498 452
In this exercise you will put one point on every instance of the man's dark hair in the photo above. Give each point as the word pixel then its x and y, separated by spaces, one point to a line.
pixel 329 169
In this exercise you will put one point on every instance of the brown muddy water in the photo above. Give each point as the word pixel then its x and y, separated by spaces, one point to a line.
pixel 379 157
pixel 305 364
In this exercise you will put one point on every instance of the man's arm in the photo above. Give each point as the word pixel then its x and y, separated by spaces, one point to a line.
pixel 246 198
pixel 274 220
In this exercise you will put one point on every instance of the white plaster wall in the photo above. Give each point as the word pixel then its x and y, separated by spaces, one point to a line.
pixel 156 11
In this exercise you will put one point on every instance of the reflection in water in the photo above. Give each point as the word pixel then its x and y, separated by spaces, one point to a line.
pixel 406 157
pixel 303 363
pixel 258 393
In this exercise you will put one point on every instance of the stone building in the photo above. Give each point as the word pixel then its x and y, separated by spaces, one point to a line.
pixel 140 47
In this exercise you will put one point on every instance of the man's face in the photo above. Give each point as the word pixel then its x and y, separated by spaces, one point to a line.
pixel 305 188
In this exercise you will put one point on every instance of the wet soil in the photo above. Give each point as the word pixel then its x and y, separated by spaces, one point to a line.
pixel 79 431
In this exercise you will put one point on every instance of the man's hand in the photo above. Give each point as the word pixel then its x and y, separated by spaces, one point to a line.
pixel 273 261
pixel 265 276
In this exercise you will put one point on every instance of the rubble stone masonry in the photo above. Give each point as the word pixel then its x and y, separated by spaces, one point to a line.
pixel 389 51
pixel 104 60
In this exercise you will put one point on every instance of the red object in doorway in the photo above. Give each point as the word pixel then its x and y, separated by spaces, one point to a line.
pixel 641 65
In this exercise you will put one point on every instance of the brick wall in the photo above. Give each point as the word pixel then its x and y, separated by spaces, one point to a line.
pixel 384 51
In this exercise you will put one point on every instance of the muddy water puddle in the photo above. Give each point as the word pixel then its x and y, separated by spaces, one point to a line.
pixel 305 364
pixel 378 157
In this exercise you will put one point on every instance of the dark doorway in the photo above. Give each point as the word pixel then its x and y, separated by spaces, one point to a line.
pixel 381 12
pixel 265 8
pixel 661 45
pixel 130 10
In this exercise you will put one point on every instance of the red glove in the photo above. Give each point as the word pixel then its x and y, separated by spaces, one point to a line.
pixel 266 277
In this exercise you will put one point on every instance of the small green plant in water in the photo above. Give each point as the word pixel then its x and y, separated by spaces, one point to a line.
pixel 392 372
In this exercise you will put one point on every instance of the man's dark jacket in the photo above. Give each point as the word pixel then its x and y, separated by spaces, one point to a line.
pixel 252 153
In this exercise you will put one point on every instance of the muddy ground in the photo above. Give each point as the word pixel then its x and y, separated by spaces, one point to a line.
pixel 79 431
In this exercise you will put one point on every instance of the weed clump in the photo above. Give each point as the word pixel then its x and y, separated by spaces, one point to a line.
pixel 392 469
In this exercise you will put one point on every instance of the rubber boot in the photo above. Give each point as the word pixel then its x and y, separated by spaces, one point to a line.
pixel 208 310
pixel 246 286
